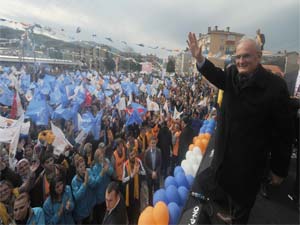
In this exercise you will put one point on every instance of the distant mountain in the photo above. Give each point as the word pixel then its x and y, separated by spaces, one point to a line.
pixel 48 40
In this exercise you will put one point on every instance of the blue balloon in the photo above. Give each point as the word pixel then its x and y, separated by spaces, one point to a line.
pixel 190 180
pixel 183 192
pixel 174 213
pixel 202 130
pixel 209 130
pixel 178 169
pixel 181 180
pixel 173 195
pixel 211 125
pixel 160 195
pixel 170 181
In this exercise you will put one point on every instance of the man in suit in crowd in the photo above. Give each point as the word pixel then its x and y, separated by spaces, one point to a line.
pixel 115 206
pixel 254 120
pixel 152 163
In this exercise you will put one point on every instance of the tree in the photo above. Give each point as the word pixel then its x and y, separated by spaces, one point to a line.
pixel 171 66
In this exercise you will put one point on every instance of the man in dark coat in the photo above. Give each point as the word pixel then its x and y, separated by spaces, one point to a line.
pixel 186 137
pixel 115 206
pixel 254 120
pixel 152 163
pixel 164 143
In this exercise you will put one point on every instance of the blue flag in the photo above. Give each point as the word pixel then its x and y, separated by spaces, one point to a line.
pixel 117 100
pixel 134 118
pixel 38 111
pixel 6 95
pixel 97 125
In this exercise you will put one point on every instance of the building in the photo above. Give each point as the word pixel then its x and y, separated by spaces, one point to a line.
pixel 183 63
pixel 217 45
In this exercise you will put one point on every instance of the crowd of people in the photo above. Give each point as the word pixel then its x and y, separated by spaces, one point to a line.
pixel 97 180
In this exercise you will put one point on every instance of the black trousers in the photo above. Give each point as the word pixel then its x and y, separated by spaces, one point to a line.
pixel 133 211
pixel 153 185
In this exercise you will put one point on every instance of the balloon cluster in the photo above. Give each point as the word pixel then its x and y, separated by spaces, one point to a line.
pixel 168 201
pixel 173 196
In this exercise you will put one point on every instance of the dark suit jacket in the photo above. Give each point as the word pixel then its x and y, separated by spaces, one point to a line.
pixel 164 142
pixel 118 215
pixel 253 121
pixel 290 79
pixel 148 162
pixel 185 139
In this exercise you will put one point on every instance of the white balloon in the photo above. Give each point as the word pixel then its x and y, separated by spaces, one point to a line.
pixel 195 168
pixel 199 159
pixel 193 159
pixel 187 167
pixel 197 150
pixel 189 154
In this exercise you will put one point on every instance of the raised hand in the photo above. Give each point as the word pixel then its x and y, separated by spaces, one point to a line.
pixel 194 47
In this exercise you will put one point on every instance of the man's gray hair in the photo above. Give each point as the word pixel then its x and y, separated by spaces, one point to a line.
pixel 248 39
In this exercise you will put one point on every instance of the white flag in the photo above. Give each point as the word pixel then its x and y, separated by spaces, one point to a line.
pixel 15 140
pixel 60 142
pixel 165 107
pixel 121 105
pixel 20 109
pixel 81 137
pixel 176 114
pixel 152 106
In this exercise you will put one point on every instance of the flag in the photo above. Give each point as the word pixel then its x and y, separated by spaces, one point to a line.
pixel 121 105
pixel 134 118
pixel 38 111
pixel 176 114
pixel 61 112
pixel 60 142
pixel 138 107
pixel 78 30
pixel 109 39
pixel 165 107
pixel 151 105
pixel 15 140
pixel 6 95
pixel 81 137
pixel 97 125
pixel 117 100
pixel 87 122
pixel 13 111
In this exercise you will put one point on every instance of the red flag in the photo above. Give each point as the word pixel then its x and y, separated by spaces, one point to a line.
pixel 14 108
pixel 88 99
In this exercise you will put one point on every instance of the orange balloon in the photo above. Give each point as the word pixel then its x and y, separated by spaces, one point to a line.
pixel 198 142
pixel 191 146
pixel 146 217
pixel 195 138
pixel 203 145
pixel 161 213
pixel 207 135
pixel 200 136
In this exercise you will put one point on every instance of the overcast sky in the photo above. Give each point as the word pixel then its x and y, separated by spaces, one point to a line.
pixel 163 23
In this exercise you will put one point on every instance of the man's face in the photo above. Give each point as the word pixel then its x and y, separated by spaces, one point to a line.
pixel 49 164
pixel 111 199
pixel 28 152
pixel 21 207
pixel 4 192
pixel 23 168
pixel 247 57
pixel 153 143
